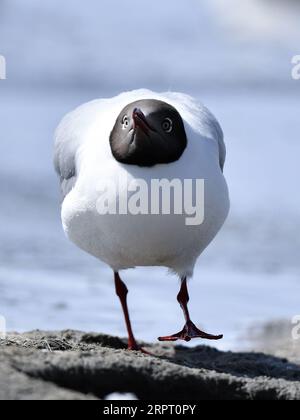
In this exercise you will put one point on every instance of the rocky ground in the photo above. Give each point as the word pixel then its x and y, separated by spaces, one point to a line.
pixel 71 365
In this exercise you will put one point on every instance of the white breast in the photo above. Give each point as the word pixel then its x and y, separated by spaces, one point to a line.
pixel 125 241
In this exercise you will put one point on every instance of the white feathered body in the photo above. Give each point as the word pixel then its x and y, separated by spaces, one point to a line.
pixel 126 241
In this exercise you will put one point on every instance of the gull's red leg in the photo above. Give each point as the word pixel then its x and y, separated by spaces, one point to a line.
pixel 122 291
pixel 190 330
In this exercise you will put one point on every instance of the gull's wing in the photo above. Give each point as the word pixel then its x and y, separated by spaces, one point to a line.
pixel 200 118
pixel 69 137
pixel 67 142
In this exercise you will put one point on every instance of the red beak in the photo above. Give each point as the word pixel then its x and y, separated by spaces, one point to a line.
pixel 140 121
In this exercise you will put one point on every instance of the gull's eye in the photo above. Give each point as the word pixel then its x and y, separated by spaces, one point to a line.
pixel 167 125
pixel 125 122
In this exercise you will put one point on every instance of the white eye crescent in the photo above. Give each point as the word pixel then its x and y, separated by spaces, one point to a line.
pixel 125 122
pixel 167 125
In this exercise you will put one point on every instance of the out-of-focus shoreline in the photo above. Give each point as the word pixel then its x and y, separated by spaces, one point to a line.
pixel 276 338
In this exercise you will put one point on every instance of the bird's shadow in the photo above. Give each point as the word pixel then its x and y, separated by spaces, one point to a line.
pixel 239 364
pixel 242 364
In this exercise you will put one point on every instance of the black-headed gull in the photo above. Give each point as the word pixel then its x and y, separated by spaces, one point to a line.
pixel 106 148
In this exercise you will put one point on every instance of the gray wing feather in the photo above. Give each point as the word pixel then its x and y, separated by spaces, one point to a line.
pixel 66 186
pixel 217 133
pixel 222 152
pixel 69 137
pixel 206 119
pixel 65 149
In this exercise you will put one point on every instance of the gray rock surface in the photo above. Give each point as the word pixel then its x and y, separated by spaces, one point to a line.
pixel 74 365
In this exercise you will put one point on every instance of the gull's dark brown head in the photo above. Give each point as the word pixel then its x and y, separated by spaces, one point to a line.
pixel 148 132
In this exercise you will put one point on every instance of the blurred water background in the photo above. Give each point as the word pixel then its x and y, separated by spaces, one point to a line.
pixel 236 58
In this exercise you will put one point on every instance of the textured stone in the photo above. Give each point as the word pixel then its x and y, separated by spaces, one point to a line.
pixel 74 365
